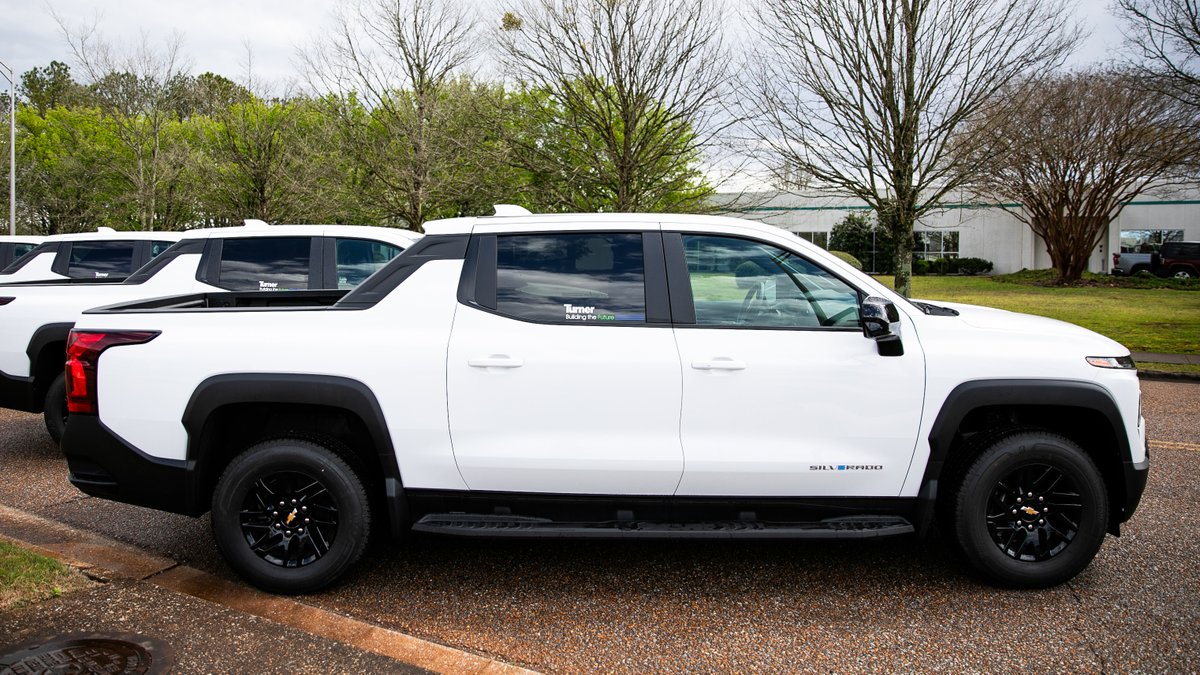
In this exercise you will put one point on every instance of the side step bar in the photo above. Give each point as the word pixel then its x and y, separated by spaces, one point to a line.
pixel 481 525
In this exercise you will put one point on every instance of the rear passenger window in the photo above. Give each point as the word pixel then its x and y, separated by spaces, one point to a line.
pixel 18 263
pixel 100 259
pixel 571 278
pixel 265 264
pixel 358 259
pixel 157 247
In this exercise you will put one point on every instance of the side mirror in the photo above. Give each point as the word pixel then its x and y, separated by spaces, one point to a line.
pixel 881 322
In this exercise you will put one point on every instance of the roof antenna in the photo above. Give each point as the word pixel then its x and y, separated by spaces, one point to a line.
pixel 255 222
pixel 511 210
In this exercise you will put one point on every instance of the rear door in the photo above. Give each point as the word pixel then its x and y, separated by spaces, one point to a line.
pixel 562 371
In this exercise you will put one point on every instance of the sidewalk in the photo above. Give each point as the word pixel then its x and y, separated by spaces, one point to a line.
pixel 201 623
pixel 1145 362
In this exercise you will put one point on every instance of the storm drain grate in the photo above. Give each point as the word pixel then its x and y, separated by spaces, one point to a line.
pixel 87 654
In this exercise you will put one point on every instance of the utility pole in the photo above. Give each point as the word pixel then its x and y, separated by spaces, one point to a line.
pixel 12 148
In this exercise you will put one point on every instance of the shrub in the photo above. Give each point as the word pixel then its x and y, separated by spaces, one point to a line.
pixel 849 259
pixel 920 267
pixel 971 266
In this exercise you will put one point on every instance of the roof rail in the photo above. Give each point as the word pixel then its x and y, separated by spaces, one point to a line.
pixel 511 210
pixel 255 222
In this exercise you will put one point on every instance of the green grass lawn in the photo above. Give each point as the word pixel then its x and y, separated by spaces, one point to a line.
pixel 1144 320
pixel 26 577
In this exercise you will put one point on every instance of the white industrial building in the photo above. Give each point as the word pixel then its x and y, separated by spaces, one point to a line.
pixel 990 232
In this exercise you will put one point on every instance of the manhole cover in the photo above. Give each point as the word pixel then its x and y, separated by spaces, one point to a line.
pixel 85 654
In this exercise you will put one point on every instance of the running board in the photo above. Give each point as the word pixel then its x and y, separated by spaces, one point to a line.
pixel 481 525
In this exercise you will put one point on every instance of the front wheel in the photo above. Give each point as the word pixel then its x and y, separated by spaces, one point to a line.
pixel 1031 511
pixel 54 409
pixel 1182 273
pixel 290 516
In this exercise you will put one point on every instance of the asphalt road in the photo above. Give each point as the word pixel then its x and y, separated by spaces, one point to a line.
pixel 888 605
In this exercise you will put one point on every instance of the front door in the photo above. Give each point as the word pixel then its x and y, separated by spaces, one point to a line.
pixel 782 394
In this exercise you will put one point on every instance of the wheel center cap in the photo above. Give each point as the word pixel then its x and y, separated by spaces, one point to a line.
pixel 290 517
pixel 1028 510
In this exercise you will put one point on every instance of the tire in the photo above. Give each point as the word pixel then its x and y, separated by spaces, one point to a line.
pixel 54 410
pixel 1138 269
pixel 1028 544
pixel 274 549
pixel 1182 273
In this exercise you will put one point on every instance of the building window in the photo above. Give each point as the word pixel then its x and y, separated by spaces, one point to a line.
pixel 1147 241
pixel 931 244
pixel 819 238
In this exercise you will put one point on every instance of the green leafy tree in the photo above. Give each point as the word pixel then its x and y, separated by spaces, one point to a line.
pixel 618 99
pixel 861 236
pixel 62 159
pixel 568 167
pixel 52 86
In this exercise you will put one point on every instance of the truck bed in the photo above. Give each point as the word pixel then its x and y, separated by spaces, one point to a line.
pixel 247 300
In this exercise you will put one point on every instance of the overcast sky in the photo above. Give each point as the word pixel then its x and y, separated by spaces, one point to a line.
pixel 215 32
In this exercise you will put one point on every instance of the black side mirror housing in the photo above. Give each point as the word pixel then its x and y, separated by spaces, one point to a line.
pixel 880 322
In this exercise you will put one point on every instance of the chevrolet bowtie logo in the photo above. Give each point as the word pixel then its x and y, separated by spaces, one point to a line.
pixel 1028 511
pixel 292 516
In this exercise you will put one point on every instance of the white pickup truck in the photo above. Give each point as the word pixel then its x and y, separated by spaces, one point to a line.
pixel 36 318
pixel 609 375
pixel 105 255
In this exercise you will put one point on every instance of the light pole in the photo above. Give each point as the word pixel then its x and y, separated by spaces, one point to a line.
pixel 12 149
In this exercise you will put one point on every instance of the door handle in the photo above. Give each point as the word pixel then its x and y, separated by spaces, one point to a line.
pixel 495 361
pixel 719 363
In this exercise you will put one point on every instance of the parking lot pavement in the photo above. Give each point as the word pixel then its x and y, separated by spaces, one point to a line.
pixel 887 605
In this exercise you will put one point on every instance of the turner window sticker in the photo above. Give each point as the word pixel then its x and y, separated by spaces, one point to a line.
pixel 580 313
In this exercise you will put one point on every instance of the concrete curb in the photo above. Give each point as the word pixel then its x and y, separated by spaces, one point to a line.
pixel 1168 376
pixel 104 558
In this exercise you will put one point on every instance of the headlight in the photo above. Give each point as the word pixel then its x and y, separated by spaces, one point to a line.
pixel 1122 362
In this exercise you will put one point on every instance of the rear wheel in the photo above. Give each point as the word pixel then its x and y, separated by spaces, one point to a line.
pixel 290 516
pixel 54 410
pixel 1182 273
pixel 1031 511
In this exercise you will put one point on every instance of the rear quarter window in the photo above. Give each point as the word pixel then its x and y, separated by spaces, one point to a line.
pixel 265 264
pixel 100 259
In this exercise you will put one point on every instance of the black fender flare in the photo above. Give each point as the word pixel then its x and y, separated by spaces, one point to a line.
pixel 323 390
pixel 969 396
pixel 43 336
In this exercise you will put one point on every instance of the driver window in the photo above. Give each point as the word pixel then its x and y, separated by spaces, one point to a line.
pixel 739 282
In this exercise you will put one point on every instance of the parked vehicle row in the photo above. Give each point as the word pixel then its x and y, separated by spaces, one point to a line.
pixel 35 317
pixel 606 375
pixel 1179 259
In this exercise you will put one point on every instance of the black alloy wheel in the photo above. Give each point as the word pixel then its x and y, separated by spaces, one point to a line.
pixel 1031 510
pixel 290 515
pixel 1034 512
pixel 289 519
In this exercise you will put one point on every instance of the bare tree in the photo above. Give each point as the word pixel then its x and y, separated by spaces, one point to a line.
pixel 630 86
pixel 868 98
pixel 1165 36
pixel 1075 150
pixel 135 89
pixel 396 68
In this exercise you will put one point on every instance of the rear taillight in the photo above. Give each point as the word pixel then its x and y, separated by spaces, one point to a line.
pixel 1116 259
pixel 83 352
